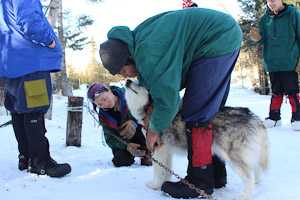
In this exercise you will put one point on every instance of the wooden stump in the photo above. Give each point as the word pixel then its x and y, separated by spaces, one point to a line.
pixel 74 123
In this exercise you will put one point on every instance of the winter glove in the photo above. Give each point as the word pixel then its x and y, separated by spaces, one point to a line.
pixel 298 65
pixel 129 129
pixel 133 147
pixel 254 34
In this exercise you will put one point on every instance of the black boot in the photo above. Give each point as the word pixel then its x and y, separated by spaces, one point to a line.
pixel 201 178
pixel 220 175
pixel 19 130
pixel 23 162
pixel 49 167
pixel 35 132
pixel 40 160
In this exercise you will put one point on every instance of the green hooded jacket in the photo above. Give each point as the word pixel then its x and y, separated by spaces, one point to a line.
pixel 280 39
pixel 164 46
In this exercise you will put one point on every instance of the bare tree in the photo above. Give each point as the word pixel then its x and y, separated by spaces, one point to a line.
pixel 52 12
pixel 65 82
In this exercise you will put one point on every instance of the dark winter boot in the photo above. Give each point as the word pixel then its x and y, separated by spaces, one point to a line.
pixel 19 129
pixel 220 175
pixel 199 139
pixel 294 101
pixel 35 132
pixel 201 178
pixel 49 167
pixel 40 161
pixel 23 162
pixel 144 160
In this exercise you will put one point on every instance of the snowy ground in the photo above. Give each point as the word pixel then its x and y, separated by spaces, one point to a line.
pixel 94 177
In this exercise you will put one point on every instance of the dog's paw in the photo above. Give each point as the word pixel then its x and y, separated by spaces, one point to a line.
pixel 153 186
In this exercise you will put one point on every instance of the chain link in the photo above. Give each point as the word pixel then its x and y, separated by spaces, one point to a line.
pixel 148 156
pixel 76 109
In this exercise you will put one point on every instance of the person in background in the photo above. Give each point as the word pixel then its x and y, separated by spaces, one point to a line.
pixel 192 48
pixel 188 4
pixel 115 118
pixel 29 52
pixel 279 33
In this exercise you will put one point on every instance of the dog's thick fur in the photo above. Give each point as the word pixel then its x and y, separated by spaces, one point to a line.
pixel 239 138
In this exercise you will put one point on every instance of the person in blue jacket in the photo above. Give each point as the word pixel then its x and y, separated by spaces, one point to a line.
pixel 29 52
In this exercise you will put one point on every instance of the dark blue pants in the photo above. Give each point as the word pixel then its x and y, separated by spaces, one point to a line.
pixel 28 123
pixel 207 87
pixel 15 99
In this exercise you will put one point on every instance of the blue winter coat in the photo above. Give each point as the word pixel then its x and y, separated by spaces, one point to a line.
pixel 24 36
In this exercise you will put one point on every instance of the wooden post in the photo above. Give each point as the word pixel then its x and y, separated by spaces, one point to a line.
pixel 74 123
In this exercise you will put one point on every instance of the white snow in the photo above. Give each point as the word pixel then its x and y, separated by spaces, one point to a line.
pixel 94 177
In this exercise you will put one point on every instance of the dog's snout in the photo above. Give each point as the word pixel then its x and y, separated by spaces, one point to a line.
pixel 128 82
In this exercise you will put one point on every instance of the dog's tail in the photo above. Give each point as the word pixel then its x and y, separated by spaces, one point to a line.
pixel 264 161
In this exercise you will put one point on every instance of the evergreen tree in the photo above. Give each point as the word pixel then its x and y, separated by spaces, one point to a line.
pixel 253 10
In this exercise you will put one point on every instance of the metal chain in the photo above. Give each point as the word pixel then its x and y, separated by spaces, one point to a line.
pixel 148 156
pixel 76 109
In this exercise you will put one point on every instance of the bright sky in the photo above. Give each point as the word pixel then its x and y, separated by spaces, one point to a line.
pixel 127 13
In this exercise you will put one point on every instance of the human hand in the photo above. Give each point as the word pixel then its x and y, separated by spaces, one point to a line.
pixel 148 116
pixel 151 140
pixel 254 34
pixel 52 44
pixel 129 129
pixel 133 149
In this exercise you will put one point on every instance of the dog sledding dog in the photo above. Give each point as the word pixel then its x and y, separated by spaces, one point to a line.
pixel 239 138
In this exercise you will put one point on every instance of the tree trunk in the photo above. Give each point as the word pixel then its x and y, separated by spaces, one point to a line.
pixel 65 82
pixel 265 89
pixel 53 12
pixel 52 18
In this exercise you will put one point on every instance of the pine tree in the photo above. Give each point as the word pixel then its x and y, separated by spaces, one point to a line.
pixel 253 10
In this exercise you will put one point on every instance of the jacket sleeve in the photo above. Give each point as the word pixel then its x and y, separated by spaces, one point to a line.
pixel 296 25
pixel 32 21
pixel 260 28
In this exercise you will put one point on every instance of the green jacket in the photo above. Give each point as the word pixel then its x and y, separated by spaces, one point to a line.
pixel 164 46
pixel 280 37
pixel 111 125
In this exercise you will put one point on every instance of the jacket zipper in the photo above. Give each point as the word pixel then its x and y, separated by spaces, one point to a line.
pixel 275 27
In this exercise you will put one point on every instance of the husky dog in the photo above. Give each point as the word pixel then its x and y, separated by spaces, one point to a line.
pixel 239 138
